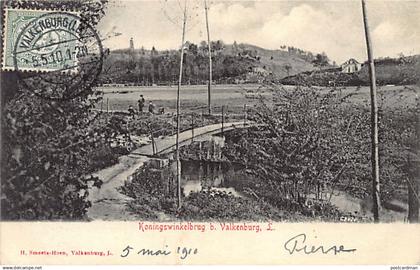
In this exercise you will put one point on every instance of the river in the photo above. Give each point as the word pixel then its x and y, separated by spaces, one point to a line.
pixel 198 175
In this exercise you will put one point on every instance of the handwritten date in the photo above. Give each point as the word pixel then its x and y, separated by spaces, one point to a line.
pixel 182 252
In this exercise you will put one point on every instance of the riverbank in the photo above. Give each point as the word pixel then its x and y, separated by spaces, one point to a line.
pixel 151 200
pixel 220 190
pixel 211 191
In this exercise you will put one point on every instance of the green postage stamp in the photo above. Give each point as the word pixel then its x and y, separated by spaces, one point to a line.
pixel 41 40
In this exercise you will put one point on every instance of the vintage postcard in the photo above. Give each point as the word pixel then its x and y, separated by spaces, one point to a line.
pixel 210 132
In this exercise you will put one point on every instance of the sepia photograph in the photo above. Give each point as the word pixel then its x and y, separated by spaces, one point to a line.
pixel 293 111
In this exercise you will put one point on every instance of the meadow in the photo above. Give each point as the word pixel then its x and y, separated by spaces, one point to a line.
pixel 194 97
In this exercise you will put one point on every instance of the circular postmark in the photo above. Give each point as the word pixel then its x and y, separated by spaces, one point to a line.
pixel 58 56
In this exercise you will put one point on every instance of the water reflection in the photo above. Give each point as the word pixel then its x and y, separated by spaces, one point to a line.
pixel 231 178
pixel 199 175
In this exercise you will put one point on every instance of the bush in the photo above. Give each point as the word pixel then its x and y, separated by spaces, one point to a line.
pixel 46 143
pixel 219 205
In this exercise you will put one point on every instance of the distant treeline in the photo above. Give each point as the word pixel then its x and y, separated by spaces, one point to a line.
pixel 230 63
pixel 147 67
pixel 305 55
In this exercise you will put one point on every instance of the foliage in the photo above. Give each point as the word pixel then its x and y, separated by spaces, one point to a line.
pixel 219 205
pixel 293 150
pixel 153 196
pixel 47 145
pixel 324 78
pixel 147 68
pixel 400 124
pixel 312 140
pixel 321 60
pixel 102 157
pixel 147 188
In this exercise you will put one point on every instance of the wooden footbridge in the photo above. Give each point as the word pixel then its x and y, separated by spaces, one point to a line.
pixel 168 144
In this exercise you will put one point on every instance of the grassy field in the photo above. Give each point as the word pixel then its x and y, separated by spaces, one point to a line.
pixel 194 97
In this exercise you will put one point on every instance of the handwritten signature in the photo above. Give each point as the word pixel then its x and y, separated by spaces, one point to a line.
pixel 298 244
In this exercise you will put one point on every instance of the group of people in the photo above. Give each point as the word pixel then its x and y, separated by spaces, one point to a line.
pixel 140 102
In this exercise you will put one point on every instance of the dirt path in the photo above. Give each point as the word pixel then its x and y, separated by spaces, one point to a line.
pixel 107 202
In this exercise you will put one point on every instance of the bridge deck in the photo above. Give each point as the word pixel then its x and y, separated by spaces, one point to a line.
pixel 168 144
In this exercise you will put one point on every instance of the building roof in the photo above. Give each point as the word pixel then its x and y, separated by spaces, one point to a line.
pixel 350 61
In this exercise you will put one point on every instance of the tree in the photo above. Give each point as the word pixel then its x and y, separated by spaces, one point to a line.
pixel 203 47
pixel 235 47
pixel 153 52
pixel 374 120
pixel 287 67
pixel 298 150
pixel 193 49
pixel 310 56
pixel 217 46
pixel 321 60
pixel 47 144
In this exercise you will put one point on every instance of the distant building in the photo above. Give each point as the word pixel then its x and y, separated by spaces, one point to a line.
pixel 351 66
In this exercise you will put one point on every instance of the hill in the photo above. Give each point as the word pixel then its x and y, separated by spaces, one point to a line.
pixel 398 71
pixel 276 60
pixel 231 63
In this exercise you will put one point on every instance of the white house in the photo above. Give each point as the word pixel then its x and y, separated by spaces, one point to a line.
pixel 351 66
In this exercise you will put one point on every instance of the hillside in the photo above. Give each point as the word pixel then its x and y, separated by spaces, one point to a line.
pixel 276 60
pixel 403 70
pixel 231 63
pixel 398 71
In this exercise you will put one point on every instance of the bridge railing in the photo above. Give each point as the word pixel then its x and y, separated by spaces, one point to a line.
pixel 191 119
pixel 221 115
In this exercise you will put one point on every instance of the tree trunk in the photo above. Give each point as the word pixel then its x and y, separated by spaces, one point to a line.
pixel 413 200
pixel 178 163
pixel 210 62
pixel 374 121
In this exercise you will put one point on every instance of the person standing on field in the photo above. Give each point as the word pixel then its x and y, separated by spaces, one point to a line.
pixel 141 103
pixel 151 108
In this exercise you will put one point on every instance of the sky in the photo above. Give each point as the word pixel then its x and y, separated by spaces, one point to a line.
pixel 333 27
